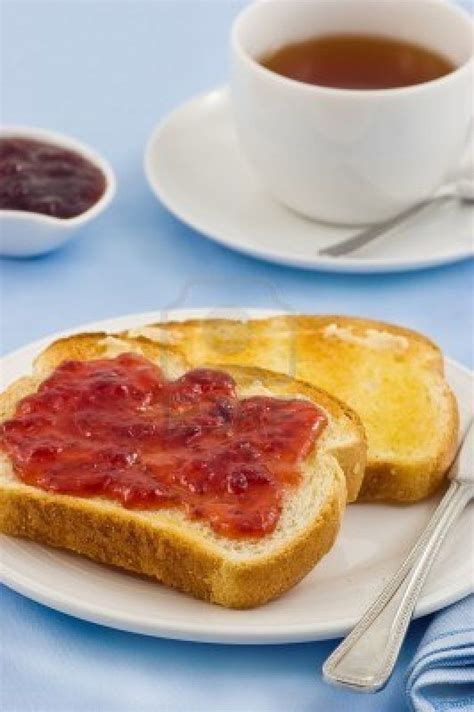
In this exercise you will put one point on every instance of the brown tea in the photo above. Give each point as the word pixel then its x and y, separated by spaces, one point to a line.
pixel 357 62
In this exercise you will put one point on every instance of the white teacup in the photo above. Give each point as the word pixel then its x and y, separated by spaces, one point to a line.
pixel 350 156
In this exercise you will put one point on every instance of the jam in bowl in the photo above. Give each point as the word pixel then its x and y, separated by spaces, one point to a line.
pixel 50 186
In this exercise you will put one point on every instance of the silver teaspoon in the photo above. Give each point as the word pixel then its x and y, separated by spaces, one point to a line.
pixel 463 191
pixel 366 657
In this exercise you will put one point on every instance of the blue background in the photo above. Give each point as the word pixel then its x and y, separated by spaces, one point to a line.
pixel 106 72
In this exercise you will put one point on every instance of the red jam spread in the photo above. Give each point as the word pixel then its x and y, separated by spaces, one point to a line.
pixel 43 178
pixel 117 428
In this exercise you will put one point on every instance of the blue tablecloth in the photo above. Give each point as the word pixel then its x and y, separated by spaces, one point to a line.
pixel 106 71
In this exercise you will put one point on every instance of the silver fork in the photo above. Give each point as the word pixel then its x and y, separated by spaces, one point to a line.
pixel 366 657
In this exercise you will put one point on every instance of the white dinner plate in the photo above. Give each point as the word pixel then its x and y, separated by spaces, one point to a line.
pixel 373 541
pixel 195 166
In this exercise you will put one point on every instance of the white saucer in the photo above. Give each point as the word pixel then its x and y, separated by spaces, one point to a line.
pixel 373 541
pixel 194 165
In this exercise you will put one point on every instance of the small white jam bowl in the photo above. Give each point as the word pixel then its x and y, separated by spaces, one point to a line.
pixel 25 234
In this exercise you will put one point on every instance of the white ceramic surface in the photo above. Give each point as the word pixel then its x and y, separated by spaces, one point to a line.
pixel 195 166
pixel 373 541
pixel 344 156
pixel 25 234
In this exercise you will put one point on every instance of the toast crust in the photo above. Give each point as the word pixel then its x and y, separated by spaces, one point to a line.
pixel 161 547
pixel 167 553
pixel 431 353
pixel 397 478
pixel 409 482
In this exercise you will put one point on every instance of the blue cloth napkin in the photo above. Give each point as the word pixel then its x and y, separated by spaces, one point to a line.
pixel 441 676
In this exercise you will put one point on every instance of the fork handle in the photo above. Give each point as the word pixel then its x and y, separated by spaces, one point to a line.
pixel 366 657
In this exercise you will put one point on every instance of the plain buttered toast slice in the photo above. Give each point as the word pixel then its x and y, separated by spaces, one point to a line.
pixel 392 377
pixel 166 544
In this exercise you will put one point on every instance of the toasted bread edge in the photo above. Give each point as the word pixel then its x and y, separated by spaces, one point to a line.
pixel 114 537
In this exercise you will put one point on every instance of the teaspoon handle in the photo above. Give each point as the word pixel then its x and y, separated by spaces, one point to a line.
pixel 369 234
